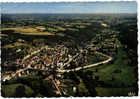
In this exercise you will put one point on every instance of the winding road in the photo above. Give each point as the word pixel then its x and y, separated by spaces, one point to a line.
pixel 91 65
pixel 109 58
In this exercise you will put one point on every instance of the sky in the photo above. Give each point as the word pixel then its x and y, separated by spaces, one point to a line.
pixel 71 7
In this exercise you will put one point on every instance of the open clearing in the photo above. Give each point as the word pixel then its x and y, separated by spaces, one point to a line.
pixel 29 30
pixel 114 91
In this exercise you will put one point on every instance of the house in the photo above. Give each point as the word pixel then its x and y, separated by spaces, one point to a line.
pixel 57 82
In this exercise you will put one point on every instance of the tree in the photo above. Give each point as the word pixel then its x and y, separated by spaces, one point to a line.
pixel 20 91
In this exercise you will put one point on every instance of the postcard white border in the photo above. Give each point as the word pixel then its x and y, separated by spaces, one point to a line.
pixel 138 22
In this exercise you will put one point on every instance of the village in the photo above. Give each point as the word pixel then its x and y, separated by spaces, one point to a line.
pixel 53 61
pixel 46 59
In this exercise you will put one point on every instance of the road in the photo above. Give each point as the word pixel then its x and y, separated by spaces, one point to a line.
pixel 29 55
pixel 109 58
pixel 91 65
pixel 8 77
pixel 70 60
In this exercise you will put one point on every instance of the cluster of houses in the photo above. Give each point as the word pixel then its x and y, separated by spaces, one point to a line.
pixel 44 60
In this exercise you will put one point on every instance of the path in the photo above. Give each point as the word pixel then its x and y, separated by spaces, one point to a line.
pixel 62 71
pixel 91 65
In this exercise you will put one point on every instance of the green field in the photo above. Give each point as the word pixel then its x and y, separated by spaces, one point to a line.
pixel 18 90
pixel 114 91
pixel 118 78
pixel 118 75
pixel 119 70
